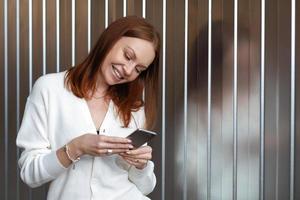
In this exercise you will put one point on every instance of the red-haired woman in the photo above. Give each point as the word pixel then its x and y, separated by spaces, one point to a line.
pixel 81 117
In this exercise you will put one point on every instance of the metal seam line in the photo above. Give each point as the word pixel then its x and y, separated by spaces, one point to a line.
pixel 209 103
pixel 30 44
pixel 44 37
pixel 163 149
pixel 18 89
pixel 73 33
pixel 124 8
pixel 235 100
pixel 293 28
pixel 106 13
pixel 89 25
pixel 144 9
pixel 30 59
pixel 185 96
pixel 57 36
pixel 262 101
pixel 5 100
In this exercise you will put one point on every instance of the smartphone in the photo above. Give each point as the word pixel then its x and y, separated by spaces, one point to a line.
pixel 140 137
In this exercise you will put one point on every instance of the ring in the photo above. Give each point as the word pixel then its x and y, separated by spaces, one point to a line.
pixel 109 151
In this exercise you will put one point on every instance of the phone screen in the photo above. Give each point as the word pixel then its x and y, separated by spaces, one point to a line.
pixel 140 137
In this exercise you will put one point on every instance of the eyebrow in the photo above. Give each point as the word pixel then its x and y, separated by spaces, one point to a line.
pixel 134 55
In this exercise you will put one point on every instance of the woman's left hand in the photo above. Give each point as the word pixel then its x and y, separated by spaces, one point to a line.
pixel 138 157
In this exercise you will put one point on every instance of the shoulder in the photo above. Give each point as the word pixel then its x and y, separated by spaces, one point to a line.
pixel 47 84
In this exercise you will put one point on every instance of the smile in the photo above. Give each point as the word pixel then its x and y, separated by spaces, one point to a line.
pixel 117 73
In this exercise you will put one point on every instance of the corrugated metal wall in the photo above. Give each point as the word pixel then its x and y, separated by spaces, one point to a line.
pixel 230 107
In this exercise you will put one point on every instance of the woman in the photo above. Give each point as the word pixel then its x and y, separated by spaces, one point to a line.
pixel 81 118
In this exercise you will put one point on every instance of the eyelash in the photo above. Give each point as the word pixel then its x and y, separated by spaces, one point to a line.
pixel 128 58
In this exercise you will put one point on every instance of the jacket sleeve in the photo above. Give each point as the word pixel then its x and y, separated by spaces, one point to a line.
pixel 38 162
pixel 144 179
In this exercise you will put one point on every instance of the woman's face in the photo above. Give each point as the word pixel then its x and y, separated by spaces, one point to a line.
pixel 126 60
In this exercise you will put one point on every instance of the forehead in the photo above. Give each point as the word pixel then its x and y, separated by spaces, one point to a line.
pixel 143 49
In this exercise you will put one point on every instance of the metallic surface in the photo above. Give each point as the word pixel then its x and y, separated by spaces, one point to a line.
pixel 229 89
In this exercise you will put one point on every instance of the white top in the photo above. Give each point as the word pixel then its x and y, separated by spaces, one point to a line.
pixel 53 117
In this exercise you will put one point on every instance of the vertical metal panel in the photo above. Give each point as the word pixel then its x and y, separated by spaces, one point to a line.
pixel 17 92
pixel 115 10
pixel 2 99
pixel 175 101
pixel 134 7
pixel 65 34
pixel 52 37
pixel 5 100
pixel 210 80
pixel 277 100
pixel 81 31
pixel 11 98
pixel 297 103
pixel 24 71
pixel 98 20
pixel 37 65
pixel 248 100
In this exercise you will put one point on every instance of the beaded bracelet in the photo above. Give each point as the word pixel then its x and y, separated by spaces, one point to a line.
pixel 66 148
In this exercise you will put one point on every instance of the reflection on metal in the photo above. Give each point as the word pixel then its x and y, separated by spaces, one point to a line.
pixel 235 67
pixel 5 101
pixel 293 97
pixel 106 13
pixel 89 25
pixel 18 88
pixel 124 8
pixel 57 36
pixel 242 149
pixel 30 44
pixel 209 102
pixel 163 112
pixel 144 9
pixel 186 14
pixel 262 102
pixel 73 32
pixel 44 36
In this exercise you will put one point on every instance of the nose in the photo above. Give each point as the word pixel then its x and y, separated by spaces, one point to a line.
pixel 128 68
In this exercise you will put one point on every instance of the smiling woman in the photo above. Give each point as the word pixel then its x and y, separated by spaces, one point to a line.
pixel 82 117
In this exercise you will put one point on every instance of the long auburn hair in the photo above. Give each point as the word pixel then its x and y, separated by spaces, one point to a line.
pixel 128 97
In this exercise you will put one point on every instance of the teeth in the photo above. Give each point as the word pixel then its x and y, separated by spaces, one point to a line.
pixel 117 73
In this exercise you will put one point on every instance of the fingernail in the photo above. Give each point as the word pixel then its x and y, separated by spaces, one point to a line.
pixel 130 146
pixel 128 152
pixel 128 140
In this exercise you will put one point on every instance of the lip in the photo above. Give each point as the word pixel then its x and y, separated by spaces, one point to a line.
pixel 117 73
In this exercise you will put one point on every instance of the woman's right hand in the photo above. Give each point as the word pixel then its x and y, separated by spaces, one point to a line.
pixel 99 145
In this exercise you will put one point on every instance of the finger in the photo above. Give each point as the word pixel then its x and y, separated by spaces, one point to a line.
pixel 113 139
pixel 147 156
pixel 141 150
pixel 141 161
pixel 106 145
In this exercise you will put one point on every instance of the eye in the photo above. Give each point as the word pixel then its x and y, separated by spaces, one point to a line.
pixel 127 57
pixel 137 70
